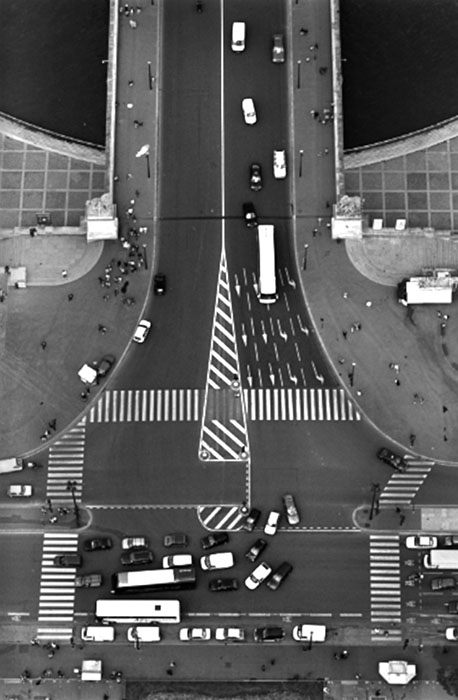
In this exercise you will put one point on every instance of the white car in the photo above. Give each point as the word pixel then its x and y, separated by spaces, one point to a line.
pixel 134 543
pixel 195 634
pixel 271 526
pixel 258 575
pixel 229 634
pixel 421 542
pixel 142 331
pixel 280 165
pixel 177 560
pixel 219 560
pixel 309 633
pixel 20 491
pixel 451 633
pixel 249 111
pixel 144 633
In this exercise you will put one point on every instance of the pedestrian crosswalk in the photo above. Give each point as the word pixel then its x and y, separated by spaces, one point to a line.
pixel 146 406
pixel 66 461
pixel 402 488
pixel 385 587
pixel 57 588
pixel 223 434
pixel 299 405
pixel 223 517
pixel 275 404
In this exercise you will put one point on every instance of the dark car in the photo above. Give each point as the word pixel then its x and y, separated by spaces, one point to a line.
pixel 392 459
pixel 255 177
pixel 176 539
pixel 223 584
pixel 450 541
pixel 249 214
pixel 442 583
pixel 68 560
pixel 137 556
pixel 251 520
pixel 268 634
pixel 89 581
pixel 106 363
pixel 160 284
pixel 97 543
pixel 279 575
pixel 452 607
pixel 256 549
pixel 214 540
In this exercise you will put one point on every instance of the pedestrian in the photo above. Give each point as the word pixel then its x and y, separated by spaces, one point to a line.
pixel 7 270
pixel 303 31
pixel 412 439
pixel 44 344
pixel 83 395
pixel 344 333
pixel 72 642
pixel 172 664
pixel 131 83
pixel 70 296
pixel 406 643
pixel 402 519
pixel 169 671
pixel 64 273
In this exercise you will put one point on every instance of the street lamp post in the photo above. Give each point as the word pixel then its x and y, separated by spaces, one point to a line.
pixel 298 75
pixel 301 155
pixel 145 256
pixel 71 486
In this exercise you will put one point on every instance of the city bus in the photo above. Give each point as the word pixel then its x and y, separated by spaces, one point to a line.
pixel 137 610
pixel 153 580
pixel 267 283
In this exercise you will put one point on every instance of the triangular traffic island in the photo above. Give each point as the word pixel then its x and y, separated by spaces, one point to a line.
pixel 223 435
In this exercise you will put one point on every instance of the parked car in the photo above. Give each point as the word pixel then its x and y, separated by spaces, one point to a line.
pixel 452 607
pixel 142 331
pixel 229 634
pixel 279 164
pixel 106 363
pixel 89 581
pixel 279 575
pixel 255 177
pixel 271 526
pixel 442 583
pixel 68 560
pixel 268 634
pixel 451 633
pixel 217 585
pixel 278 49
pixel 97 543
pixel 421 542
pixel 214 540
pixel 176 539
pixel 309 633
pixel 256 550
pixel 392 459
pixel 172 560
pixel 219 560
pixel 137 556
pixel 292 513
pixel 160 284
pixel 144 633
pixel 195 634
pixel 249 214
pixel 257 576
pixel 251 519
pixel 450 541
pixel 134 543
pixel 20 491
pixel 249 110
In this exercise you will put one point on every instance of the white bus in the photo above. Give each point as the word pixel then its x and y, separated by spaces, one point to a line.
pixel 137 611
pixel 153 580
pixel 267 283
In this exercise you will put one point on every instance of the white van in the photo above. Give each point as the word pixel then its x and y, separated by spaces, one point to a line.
pixel 219 560
pixel 144 633
pixel 98 633
pixel 238 36
pixel 12 464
